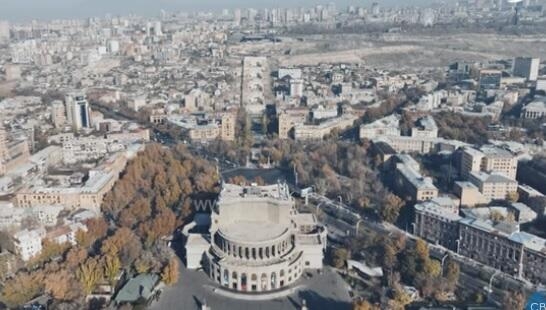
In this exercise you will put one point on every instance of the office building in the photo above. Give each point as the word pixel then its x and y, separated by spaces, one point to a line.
pixel 77 111
pixel 490 79
pixel 526 67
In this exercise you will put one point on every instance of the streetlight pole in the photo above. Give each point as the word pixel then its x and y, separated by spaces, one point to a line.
pixel 357 226
pixel 490 288
pixel 443 260
pixel 318 206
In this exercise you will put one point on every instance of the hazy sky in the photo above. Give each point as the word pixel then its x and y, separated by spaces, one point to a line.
pixel 46 9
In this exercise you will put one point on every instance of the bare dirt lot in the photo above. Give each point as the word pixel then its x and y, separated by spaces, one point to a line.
pixel 407 51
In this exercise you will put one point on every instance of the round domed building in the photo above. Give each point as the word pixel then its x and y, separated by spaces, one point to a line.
pixel 258 242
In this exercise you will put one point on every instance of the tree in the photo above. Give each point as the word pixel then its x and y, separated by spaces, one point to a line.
pixel 400 299
pixel 142 265
pixel 452 274
pixel 22 288
pixel 390 209
pixel 123 243
pixel 513 300
pixel 389 254
pixel 339 257
pixel 84 239
pixel 421 249
pixel 364 305
pixel 97 228
pixel 111 267
pixel 432 268
pixel 512 196
pixel 496 216
pixel 170 272
pixel 62 285
pixel 50 249
pixel 478 298
pixel 75 257
pixel 408 265
pixel 89 274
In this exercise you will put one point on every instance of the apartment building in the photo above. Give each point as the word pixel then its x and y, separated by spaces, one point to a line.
pixel 408 182
pixel 437 221
pixel 488 159
pixel 387 126
pixel 318 132
pixel 493 186
pixel 290 118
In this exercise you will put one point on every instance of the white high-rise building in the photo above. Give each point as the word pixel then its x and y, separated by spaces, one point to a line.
pixel 526 67
pixel 113 46
pixel 237 17
pixel 4 31
pixel 77 111
pixel 157 29
pixel 296 87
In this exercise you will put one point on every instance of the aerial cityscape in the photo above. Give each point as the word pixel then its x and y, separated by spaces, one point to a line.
pixel 273 155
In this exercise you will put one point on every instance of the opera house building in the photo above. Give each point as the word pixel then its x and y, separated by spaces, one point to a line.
pixel 257 241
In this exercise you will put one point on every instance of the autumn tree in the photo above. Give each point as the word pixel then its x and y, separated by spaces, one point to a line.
pixel 111 267
pixel 389 254
pixel 50 249
pixel 142 265
pixel 62 285
pixel 75 256
pixel 400 299
pixel 163 224
pixel 364 305
pixel 512 196
pixel 339 257
pixel 421 249
pixel 89 274
pixel 452 274
pixel 22 288
pixel 169 274
pixel 124 244
pixel 432 268
pixel 138 211
pixel 97 228
pixel 390 210
pixel 83 238
pixel 513 300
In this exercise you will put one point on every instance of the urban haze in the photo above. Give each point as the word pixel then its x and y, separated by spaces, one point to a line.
pixel 273 155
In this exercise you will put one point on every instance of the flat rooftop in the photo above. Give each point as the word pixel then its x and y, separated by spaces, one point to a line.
pixel 252 231
pixel 277 191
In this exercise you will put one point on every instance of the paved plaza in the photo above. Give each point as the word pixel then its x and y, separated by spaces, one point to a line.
pixel 323 291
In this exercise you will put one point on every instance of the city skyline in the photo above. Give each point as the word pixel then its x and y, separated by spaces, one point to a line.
pixel 25 10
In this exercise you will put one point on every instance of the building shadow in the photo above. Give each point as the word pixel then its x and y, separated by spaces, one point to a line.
pixel 317 302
